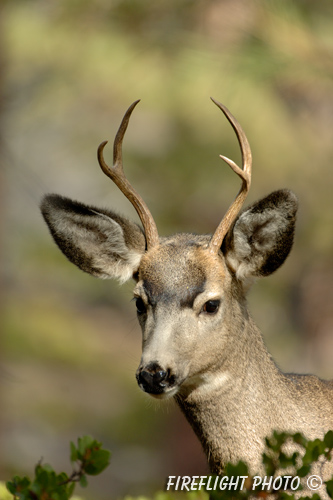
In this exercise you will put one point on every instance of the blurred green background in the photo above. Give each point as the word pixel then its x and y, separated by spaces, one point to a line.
pixel 70 344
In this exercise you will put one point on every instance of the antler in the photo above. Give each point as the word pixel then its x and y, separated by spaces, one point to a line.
pixel 116 174
pixel 245 174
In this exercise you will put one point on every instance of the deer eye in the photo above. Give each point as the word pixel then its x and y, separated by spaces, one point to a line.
pixel 211 306
pixel 140 306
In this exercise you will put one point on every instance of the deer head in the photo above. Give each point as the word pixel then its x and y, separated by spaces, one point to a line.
pixel 190 290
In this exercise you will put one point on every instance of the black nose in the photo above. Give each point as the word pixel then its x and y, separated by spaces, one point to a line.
pixel 153 378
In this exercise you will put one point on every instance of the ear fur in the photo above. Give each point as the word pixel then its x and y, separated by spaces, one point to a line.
pixel 262 236
pixel 98 241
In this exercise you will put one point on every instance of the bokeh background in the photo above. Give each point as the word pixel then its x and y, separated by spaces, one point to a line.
pixel 70 344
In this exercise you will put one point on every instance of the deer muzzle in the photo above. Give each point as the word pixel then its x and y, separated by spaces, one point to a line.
pixel 156 380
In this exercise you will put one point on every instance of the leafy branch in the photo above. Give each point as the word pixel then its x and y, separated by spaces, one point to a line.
pixel 90 459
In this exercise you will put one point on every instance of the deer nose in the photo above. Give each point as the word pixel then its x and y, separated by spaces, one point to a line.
pixel 153 378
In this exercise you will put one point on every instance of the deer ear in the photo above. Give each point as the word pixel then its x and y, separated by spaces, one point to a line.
pixel 98 241
pixel 262 236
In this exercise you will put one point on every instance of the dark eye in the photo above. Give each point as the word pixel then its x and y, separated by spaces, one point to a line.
pixel 140 305
pixel 211 306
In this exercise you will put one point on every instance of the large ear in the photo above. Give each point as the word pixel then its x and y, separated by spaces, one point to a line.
pixel 262 236
pixel 98 241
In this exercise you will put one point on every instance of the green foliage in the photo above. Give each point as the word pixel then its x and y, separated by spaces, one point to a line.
pixel 236 483
pixel 91 459
pixel 276 460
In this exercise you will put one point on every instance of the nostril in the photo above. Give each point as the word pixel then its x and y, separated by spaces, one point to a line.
pixel 160 375
pixel 153 378
pixel 145 377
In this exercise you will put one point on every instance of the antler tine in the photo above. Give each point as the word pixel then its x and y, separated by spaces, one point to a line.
pixel 245 174
pixel 116 174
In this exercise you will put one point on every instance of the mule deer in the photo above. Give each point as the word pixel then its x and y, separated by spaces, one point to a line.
pixel 200 344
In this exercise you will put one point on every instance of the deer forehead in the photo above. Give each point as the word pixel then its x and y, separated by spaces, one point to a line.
pixel 178 271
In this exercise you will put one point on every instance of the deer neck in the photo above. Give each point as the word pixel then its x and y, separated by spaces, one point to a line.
pixel 229 409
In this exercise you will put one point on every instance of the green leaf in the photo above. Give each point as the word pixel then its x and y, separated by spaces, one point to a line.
pixel 83 481
pixel 280 438
pixel 74 452
pixel 18 484
pixel 329 488
pixel 328 439
pixel 98 461
pixel 313 451
pixel 62 478
pixel 11 487
pixel 285 461
pixel 84 443
pixel 43 467
pixel 298 438
pixel 303 471
pixel 44 478
pixel 70 489
pixel 269 464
